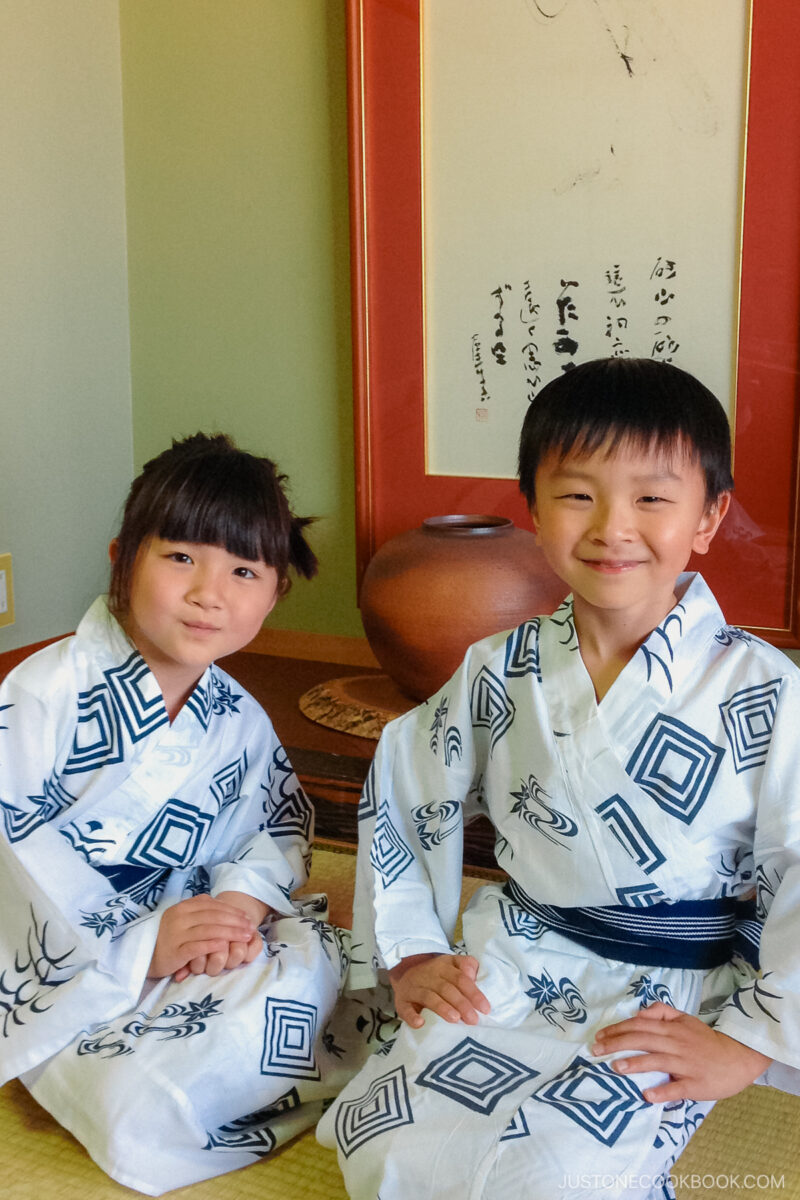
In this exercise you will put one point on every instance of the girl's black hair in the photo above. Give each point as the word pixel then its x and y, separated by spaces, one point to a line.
pixel 204 489
pixel 638 401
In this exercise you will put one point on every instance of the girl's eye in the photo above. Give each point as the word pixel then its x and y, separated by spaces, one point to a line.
pixel 244 573
pixel 178 556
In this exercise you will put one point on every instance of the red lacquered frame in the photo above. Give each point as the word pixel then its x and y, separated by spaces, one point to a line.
pixel 755 577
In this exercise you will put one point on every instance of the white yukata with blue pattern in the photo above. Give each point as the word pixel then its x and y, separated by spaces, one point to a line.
pixel 681 785
pixel 109 815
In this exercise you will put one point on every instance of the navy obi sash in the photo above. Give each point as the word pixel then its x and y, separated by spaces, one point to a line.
pixel 696 934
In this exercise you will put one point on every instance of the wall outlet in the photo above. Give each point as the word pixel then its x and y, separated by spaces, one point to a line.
pixel 6 591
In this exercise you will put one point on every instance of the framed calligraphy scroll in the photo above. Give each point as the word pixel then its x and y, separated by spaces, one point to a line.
pixel 409 327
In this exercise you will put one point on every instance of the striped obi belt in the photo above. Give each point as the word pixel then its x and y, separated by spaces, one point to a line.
pixel 696 934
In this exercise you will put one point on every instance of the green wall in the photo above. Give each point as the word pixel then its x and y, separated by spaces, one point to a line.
pixel 236 180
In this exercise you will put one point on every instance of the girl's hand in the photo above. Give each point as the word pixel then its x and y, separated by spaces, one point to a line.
pixel 238 953
pixel 195 928
pixel 444 983
pixel 702 1063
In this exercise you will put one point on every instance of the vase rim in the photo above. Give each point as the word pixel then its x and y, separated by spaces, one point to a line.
pixel 468 525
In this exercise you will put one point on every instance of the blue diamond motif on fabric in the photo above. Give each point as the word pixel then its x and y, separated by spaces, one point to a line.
pixel 675 765
pixel 520 923
pixel 522 651
pixel 173 837
pixel 98 738
pixel 141 714
pixel 490 705
pixel 640 895
pixel 517 1127
pixel 289 1034
pixel 226 785
pixel 475 1075
pixel 748 718
pixel 383 1106
pixel 630 833
pixel 594 1097
pixel 389 854
pixel 368 805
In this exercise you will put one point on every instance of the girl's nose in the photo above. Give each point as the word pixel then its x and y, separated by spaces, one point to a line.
pixel 204 590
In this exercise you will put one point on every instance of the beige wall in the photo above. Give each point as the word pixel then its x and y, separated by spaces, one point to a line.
pixel 65 425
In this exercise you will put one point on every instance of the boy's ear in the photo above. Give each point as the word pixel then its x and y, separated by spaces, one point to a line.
pixel 113 549
pixel 535 520
pixel 712 518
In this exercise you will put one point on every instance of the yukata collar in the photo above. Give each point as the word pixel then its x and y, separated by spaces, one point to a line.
pixel 111 652
pixel 656 670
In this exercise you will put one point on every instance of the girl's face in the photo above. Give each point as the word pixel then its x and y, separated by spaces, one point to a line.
pixel 619 527
pixel 191 604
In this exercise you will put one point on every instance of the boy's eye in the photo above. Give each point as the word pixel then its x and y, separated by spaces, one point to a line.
pixel 574 496
pixel 651 499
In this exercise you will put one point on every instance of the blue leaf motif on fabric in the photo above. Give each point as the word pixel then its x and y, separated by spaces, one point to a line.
pixel 564 618
pixel 39 967
pixel 436 821
pixel 223 699
pixel 448 735
pixel 748 718
pixel 491 706
pixel 198 883
pixel 389 854
pixel 676 765
pixel 648 992
pixel 530 805
pixel 4 708
pixel 554 1000
pixel 174 1021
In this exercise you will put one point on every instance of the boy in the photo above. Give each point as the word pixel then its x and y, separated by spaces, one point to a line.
pixel 634 754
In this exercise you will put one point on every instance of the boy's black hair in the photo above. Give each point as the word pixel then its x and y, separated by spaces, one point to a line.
pixel 641 401
pixel 204 489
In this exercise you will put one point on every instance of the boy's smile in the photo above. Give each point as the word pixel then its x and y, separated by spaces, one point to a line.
pixel 619 527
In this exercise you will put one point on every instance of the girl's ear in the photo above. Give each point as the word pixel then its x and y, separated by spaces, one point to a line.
pixel 713 517
pixel 113 550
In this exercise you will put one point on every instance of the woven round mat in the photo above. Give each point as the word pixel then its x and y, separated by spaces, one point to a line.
pixel 358 704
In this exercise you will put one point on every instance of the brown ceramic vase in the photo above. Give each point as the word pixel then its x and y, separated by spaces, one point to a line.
pixel 430 593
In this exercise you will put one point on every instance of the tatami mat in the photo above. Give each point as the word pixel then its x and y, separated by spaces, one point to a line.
pixel 749 1146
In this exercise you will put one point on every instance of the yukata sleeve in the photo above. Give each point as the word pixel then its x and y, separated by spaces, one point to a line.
pixel 57 973
pixel 411 816
pixel 765 1014
pixel 266 847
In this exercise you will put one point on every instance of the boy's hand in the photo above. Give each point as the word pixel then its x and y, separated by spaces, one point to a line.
pixel 702 1063
pixel 444 983
pixel 196 928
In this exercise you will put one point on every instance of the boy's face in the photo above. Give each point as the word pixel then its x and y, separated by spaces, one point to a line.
pixel 619 528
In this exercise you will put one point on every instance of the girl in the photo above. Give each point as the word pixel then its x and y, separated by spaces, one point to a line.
pixel 160 992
